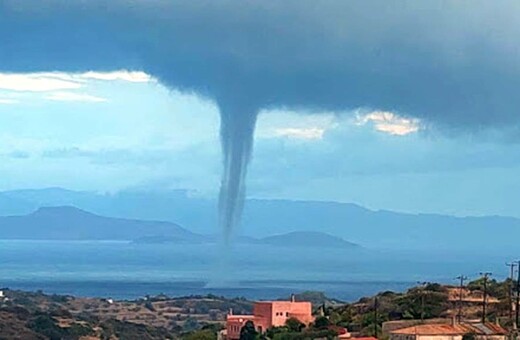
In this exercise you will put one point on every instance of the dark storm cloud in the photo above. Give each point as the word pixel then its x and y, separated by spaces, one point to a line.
pixel 453 63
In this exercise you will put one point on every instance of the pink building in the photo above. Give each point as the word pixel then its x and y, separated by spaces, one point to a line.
pixel 267 314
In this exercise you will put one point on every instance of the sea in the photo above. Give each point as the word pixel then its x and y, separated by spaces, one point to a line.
pixel 127 270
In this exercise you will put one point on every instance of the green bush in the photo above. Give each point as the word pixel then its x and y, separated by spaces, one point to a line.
pixel 205 334
pixel 77 330
pixel 45 325
pixel 248 331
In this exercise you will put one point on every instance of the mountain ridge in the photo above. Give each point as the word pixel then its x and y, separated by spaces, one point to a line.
pixel 71 223
pixel 262 218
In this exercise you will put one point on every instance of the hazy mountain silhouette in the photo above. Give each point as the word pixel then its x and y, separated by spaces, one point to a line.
pixel 10 205
pixel 306 239
pixel 264 218
pixel 69 223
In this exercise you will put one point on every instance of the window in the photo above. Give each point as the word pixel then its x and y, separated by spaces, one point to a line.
pixel 287 314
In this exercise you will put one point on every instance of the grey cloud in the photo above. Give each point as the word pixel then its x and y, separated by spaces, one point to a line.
pixel 347 152
pixel 454 64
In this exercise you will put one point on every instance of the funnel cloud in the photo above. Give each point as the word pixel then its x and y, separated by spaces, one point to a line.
pixel 237 126
pixel 450 64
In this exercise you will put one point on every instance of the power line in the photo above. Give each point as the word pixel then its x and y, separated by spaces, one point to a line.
pixel 423 291
pixel 517 296
pixel 510 295
pixel 375 317
pixel 462 278
pixel 485 276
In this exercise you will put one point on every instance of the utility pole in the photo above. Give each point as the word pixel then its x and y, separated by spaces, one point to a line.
pixel 422 305
pixel 510 295
pixel 462 278
pixel 423 288
pixel 485 276
pixel 375 317
pixel 517 305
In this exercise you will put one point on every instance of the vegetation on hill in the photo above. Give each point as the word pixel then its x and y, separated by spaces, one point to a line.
pixel 34 315
pixel 427 301
pixel 317 299
pixel 38 316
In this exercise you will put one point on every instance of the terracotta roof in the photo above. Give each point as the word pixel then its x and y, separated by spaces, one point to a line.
pixel 457 329
pixel 491 328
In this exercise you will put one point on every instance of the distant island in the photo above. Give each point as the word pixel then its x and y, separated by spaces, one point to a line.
pixel 292 239
pixel 307 239
pixel 70 223
pixel 267 217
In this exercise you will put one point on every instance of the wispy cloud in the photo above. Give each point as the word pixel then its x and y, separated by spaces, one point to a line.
pixel 59 81
pixel 131 76
pixel 295 125
pixel 8 101
pixel 300 133
pixel 389 122
pixel 35 82
pixel 74 97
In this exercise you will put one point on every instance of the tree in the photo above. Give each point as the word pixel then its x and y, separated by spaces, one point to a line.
pixel 276 332
pixel 469 336
pixel 46 325
pixel 294 325
pixel 248 331
pixel 205 334
pixel 321 323
pixel 420 303
pixel 191 324
pixel 334 318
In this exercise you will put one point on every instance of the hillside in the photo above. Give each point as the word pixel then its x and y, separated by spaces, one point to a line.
pixel 34 315
pixel 69 223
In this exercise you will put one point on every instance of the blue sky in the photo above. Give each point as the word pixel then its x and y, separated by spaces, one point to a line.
pixel 124 130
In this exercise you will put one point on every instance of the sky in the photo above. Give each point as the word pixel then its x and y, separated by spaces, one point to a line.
pixel 409 106
pixel 123 130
